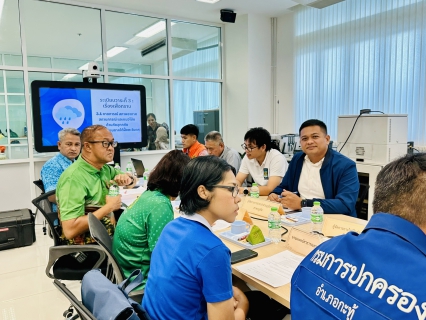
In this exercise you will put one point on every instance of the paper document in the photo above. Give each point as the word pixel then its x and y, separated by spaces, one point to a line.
pixel 276 270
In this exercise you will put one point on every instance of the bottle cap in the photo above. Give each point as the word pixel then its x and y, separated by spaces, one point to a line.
pixel 274 209
pixel 317 203
pixel 254 185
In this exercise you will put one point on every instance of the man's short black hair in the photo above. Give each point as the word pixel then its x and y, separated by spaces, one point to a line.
pixel 190 129
pixel 204 171
pixel 259 136
pixel 313 122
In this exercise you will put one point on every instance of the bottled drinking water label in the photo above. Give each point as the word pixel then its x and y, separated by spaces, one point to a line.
pixel 254 191
pixel 129 168
pixel 113 191
pixel 274 225
pixel 317 216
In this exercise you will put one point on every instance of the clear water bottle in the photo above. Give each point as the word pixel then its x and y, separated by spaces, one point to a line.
pixel 113 190
pixel 274 225
pixel 317 217
pixel 254 191
pixel 117 166
pixel 146 177
pixel 129 168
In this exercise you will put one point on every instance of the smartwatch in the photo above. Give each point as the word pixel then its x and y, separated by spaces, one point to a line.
pixel 133 180
pixel 304 203
pixel 245 191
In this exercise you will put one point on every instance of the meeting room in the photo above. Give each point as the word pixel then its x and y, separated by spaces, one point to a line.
pixel 212 159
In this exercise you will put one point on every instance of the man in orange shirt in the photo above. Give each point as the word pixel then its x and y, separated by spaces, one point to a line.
pixel 191 146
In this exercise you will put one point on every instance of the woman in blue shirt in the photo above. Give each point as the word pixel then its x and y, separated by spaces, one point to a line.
pixel 191 275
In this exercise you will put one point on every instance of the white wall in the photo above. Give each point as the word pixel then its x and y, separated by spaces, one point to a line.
pixel 247 48
pixel 285 75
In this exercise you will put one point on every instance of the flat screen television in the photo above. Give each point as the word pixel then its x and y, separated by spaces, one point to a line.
pixel 59 104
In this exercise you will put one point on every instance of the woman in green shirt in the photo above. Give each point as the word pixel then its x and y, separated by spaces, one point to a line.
pixel 139 227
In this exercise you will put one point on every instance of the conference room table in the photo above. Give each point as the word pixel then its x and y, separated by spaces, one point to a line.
pixel 280 294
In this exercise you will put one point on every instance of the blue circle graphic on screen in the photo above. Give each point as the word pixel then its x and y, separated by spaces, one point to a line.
pixel 68 113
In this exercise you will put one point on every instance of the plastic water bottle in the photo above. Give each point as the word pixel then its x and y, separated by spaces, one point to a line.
pixel 113 190
pixel 274 225
pixel 129 168
pixel 146 177
pixel 254 191
pixel 317 217
pixel 117 166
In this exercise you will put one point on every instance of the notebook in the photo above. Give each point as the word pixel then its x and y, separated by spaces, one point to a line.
pixel 139 167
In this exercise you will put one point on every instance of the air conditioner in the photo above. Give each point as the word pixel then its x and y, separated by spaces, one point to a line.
pixel 319 4
pixel 181 46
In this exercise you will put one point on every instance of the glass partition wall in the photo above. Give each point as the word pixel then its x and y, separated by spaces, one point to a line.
pixel 178 62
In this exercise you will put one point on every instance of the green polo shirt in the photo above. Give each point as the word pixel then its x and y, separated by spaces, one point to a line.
pixel 81 185
pixel 138 230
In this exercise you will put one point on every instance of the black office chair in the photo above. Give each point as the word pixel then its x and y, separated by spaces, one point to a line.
pixel 40 185
pixel 360 207
pixel 114 271
pixel 76 305
pixel 61 256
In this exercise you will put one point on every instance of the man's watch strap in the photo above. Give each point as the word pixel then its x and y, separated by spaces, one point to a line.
pixel 304 203
pixel 245 191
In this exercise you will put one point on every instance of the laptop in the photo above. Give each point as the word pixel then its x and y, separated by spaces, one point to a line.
pixel 139 167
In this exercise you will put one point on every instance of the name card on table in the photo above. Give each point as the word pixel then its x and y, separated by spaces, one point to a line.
pixel 302 241
pixel 335 227
pixel 259 206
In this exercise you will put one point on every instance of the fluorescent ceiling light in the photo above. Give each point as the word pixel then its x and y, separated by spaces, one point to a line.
pixel 68 76
pixel 152 30
pixel 114 51
pixel 208 1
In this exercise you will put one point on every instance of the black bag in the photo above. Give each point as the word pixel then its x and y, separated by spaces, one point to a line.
pixel 108 301
pixel 16 229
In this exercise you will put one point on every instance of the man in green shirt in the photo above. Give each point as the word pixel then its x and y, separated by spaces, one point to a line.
pixel 85 184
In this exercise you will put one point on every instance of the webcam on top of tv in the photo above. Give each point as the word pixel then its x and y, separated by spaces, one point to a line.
pixel 92 72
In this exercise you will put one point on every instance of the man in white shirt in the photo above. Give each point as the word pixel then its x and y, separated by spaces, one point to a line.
pixel 266 166
pixel 318 174
pixel 216 147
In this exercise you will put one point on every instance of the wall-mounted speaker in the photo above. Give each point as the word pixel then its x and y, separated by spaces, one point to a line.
pixel 227 15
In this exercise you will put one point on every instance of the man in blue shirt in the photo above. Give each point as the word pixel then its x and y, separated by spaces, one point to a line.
pixel 318 174
pixel 69 146
pixel 380 273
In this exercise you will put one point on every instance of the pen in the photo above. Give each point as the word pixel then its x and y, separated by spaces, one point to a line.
pixel 292 219
pixel 295 192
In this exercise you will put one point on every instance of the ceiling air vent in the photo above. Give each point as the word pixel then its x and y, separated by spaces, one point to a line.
pixel 319 4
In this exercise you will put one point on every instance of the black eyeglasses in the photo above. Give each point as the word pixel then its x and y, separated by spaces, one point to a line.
pixel 249 149
pixel 234 190
pixel 106 144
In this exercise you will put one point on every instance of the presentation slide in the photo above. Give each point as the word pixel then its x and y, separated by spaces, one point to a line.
pixel 118 110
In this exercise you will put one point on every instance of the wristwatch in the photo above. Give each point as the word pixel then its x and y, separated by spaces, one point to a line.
pixel 304 203
pixel 245 191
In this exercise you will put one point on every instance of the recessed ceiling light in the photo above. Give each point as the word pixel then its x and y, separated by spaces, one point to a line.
pixel 152 30
pixel 208 1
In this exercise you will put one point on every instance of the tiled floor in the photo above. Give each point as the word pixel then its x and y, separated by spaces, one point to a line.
pixel 25 290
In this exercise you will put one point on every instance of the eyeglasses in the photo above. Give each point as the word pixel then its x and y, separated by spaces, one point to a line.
pixel 234 190
pixel 106 144
pixel 249 149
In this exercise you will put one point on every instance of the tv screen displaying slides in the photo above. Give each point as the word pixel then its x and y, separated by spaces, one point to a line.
pixel 58 105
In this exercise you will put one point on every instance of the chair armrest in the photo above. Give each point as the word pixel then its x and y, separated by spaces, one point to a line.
pixel 58 251
pixel 137 295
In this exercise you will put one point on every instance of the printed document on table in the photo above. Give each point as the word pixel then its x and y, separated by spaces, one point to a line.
pixel 276 270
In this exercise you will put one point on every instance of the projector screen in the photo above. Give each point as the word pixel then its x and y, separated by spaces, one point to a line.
pixel 58 105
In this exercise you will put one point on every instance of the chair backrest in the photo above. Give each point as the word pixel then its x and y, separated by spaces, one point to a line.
pixel 361 210
pixel 101 236
pixel 42 203
pixel 39 183
pixel 82 311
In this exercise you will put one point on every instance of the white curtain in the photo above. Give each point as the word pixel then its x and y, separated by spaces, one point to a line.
pixel 362 54
pixel 190 96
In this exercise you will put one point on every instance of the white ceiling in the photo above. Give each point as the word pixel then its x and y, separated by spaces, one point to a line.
pixel 195 10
